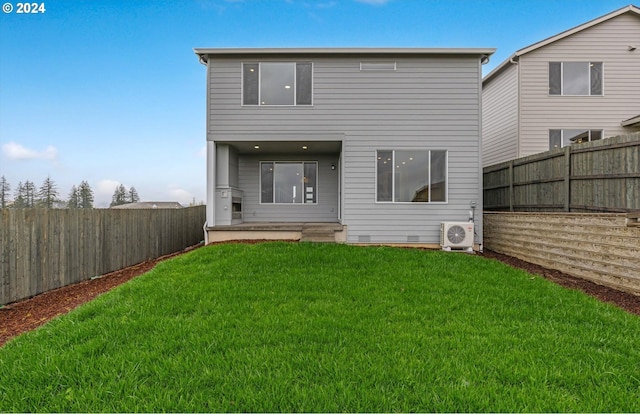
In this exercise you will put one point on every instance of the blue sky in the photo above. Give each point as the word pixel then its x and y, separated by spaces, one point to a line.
pixel 110 91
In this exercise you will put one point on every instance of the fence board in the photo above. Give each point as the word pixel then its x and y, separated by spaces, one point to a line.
pixel 601 247
pixel 43 249
pixel 595 176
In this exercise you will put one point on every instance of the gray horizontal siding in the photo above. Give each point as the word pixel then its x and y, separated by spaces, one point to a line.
pixel 326 210
pixel 430 103
pixel 500 118
pixel 606 42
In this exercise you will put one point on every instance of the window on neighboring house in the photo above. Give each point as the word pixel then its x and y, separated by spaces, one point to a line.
pixel 411 176
pixel 575 78
pixel 277 83
pixel 559 138
pixel 294 182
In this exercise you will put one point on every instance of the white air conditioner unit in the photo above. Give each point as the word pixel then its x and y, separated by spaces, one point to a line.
pixel 456 235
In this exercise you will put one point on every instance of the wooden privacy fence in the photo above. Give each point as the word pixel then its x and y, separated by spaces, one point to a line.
pixel 598 176
pixel 44 249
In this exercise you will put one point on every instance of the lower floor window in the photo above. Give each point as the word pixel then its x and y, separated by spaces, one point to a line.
pixel 559 138
pixel 288 182
pixel 411 176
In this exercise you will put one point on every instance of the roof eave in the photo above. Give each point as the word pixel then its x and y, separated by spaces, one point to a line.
pixel 630 8
pixel 631 122
pixel 342 51
pixel 500 68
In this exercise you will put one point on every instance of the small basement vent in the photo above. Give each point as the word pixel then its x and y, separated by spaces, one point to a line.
pixel 364 239
pixel 413 239
pixel 456 235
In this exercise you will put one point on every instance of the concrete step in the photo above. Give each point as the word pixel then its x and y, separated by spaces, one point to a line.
pixel 318 234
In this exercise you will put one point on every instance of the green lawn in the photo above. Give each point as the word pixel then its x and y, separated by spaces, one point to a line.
pixel 324 327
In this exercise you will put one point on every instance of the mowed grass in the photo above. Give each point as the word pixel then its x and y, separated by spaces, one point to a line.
pixel 282 327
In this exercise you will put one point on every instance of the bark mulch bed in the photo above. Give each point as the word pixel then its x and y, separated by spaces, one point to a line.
pixel 28 314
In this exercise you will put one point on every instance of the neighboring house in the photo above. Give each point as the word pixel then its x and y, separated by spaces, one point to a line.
pixel 580 85
pixel 384 142
pixel 149 205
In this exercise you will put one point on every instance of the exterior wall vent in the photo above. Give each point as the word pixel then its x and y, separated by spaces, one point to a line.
pixel 364 239
pixel 413 239
pixel 390 66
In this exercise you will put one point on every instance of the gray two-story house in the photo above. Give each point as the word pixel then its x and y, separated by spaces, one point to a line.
pixel 379 144
pixel 577 86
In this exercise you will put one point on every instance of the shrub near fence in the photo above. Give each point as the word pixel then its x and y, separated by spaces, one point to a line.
pixel 44 249
pixel 599 176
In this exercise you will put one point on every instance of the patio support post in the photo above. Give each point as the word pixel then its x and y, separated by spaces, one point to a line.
pixel 211 183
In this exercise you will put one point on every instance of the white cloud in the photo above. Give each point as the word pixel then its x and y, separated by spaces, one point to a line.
pixel 180 195
pixel 16 151
pixel 203 152
pixel 103 192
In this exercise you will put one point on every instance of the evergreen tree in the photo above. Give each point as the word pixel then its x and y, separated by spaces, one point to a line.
pixel 85 195
pixel 19 196
pixel 74 198
pixel 47 194
pixel 4 192
pixel 29 189
pixel 119 196
pixel 133 196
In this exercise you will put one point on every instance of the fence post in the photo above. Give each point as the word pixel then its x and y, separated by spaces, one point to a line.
pixel 510 178
pixel 567 178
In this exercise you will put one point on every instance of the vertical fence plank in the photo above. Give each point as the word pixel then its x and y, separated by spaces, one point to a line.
pixel 44 249
pixel 599 176
pixel 567 179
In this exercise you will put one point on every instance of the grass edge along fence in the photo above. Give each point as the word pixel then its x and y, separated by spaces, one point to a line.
pixel 601 247
pixel 44 249
pixel 598 176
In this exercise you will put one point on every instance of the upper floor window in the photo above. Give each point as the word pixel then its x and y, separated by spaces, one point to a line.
pixel 559 138
pixel 575 78
pixel 411 176
pixel 276 83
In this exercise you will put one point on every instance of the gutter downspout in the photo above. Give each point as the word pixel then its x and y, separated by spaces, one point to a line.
pixel 515 60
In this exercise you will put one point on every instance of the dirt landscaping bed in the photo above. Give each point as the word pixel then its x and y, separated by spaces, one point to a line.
pixel 28 314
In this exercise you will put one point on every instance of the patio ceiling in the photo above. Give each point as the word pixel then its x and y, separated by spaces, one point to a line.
pixel 288 147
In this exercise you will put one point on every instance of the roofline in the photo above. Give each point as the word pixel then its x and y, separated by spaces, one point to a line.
pixel 631 121
pixel 202 52
pixel 579 28
pixel 514 57
pixel 511 60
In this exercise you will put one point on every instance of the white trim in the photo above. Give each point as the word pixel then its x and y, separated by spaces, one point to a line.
pixel 631 121
pixel 562 62
pixel 295 86
pixel 514 57
pixel 211 184
pixel 343 51
pixel 562 144
pixel 273 192
pixel 429 183
pixel 579 28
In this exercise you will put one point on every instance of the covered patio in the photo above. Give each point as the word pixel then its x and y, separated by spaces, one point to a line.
pixel 299 231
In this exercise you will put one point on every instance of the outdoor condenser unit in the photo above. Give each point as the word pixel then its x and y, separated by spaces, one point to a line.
pixel 456 235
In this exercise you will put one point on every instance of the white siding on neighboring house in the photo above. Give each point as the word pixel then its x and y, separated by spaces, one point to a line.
pixel 500 117
pixel 606 42
pixel 518 110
